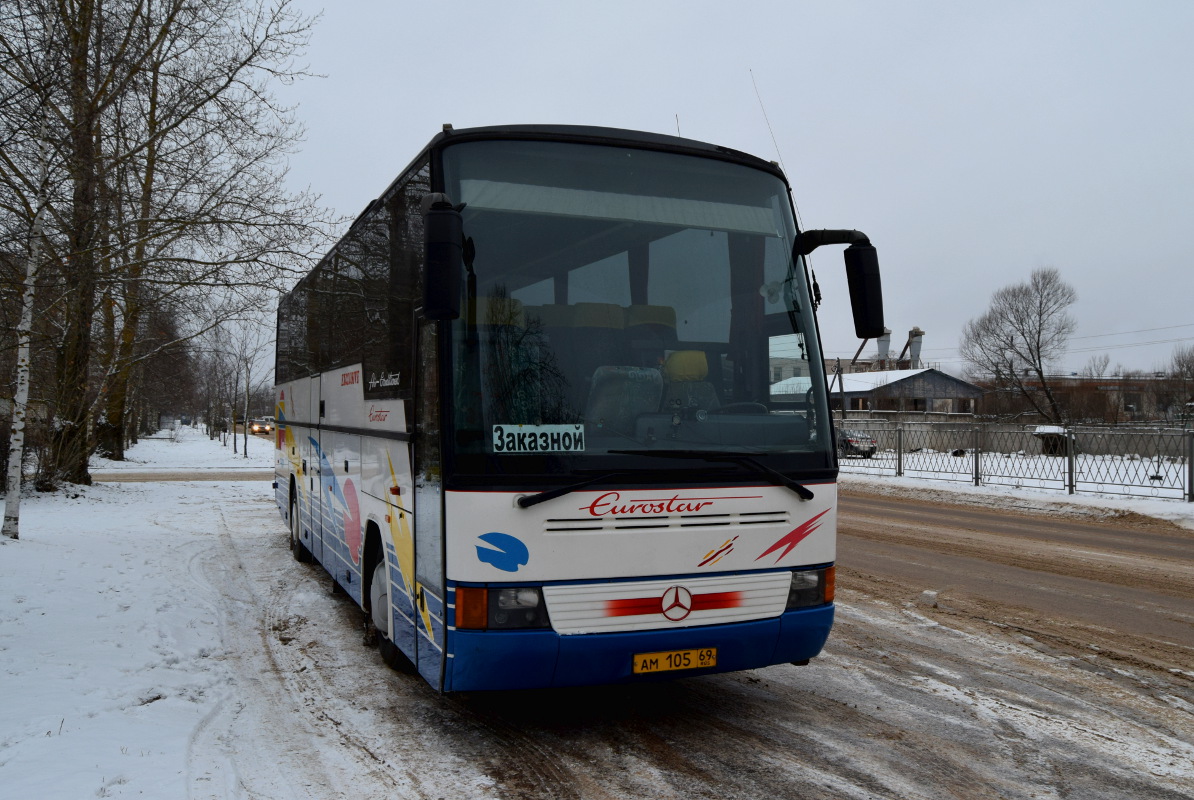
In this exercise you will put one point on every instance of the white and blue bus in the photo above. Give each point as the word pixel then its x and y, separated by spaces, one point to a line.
pixel 528 415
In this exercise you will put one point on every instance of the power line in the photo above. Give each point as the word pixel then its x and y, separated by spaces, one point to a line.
pixel 1142 330
pixel 1131 344
pixel 1092 336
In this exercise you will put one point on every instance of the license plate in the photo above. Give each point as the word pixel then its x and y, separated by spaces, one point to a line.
pixel 670 660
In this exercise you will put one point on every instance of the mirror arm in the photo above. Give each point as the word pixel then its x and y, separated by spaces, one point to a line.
pixel 808 241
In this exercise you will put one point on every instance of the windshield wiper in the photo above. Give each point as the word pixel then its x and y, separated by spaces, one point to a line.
pixel 774 476
pixel 526 501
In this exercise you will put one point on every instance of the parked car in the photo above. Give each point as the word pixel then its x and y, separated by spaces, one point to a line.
pixel 855 443
pixel 263 426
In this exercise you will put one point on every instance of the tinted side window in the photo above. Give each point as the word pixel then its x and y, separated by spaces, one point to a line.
pixel 358 304
pixel 392 274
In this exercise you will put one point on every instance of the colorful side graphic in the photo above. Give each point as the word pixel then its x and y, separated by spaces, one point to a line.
pixel 344 499
pixel 505 552
pixel 404 551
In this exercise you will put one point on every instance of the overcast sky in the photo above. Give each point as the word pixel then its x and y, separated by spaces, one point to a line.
pixel 973 142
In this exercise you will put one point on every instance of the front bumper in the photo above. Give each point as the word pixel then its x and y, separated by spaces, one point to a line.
pixel 486 660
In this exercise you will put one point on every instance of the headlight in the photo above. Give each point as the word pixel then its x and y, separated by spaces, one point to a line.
pixel 520 607
pixel 811 587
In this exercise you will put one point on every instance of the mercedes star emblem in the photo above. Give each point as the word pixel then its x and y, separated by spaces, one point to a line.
pixel 677 603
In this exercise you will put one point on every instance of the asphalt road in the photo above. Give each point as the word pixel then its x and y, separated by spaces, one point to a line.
pixel 1123 585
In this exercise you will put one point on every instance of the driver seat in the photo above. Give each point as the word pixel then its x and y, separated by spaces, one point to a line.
pixel 684 373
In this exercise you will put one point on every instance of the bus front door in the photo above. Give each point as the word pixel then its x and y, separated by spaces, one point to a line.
pixel 430 603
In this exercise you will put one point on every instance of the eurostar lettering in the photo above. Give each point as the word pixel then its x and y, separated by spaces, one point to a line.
pixel 607 504
pixel 538 439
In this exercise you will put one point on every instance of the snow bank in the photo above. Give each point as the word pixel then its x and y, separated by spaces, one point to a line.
pixel 1043 501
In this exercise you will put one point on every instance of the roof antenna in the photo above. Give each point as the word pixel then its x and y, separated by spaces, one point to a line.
pixel 773 142
pixel 677 124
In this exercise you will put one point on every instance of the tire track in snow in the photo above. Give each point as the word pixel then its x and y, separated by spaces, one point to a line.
pixel 376 732
pixel 276 759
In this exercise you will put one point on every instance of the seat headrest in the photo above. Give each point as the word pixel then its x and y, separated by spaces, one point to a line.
pixel 599 315
pixel 651 315
pixel 686 365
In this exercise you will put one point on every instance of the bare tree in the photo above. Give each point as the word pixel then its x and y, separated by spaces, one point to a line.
pixel 1181 365
pixel 169 195
pixel 1096 366
pixel 1024 331
pixel 20 403
pixel 250 342
pixel 1181 378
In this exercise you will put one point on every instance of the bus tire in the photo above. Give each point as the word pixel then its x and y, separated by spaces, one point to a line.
pixel 297 548
pixel 379 603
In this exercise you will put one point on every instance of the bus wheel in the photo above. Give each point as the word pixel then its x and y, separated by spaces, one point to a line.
pixel 297 548
pixel 379 602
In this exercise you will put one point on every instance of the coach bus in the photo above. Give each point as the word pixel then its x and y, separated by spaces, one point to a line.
pixel 528 412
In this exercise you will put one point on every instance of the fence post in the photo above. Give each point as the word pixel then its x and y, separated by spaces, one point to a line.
pixel 1071 446
pixel 1190 466
pixel 978 448
pixel 900 450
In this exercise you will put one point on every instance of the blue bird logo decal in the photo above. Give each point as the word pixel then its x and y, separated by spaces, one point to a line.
pixel 505 552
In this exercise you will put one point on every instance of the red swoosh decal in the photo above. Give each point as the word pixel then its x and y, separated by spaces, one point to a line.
pixel 788 542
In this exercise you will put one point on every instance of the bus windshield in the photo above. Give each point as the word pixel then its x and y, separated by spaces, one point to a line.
pixel 626 299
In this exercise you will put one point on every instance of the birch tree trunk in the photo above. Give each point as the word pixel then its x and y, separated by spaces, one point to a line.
pixel 20 401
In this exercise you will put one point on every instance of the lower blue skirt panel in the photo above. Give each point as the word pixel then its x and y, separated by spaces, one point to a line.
pixel 483 660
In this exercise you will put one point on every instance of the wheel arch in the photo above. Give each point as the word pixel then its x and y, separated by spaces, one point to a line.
pixel 374 553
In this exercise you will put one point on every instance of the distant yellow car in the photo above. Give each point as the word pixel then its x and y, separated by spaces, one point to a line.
pixel 263 426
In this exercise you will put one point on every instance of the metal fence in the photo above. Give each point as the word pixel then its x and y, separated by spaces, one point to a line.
pixel 1128 461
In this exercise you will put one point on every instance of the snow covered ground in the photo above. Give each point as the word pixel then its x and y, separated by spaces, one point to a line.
pixel 130 632
pixel 189 448
pixel 110 654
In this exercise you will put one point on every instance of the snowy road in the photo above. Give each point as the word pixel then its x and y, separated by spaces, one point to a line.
pixel 158 640
pixel 908 701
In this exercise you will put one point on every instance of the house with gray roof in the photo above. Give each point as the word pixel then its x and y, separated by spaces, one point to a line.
pixel 907 390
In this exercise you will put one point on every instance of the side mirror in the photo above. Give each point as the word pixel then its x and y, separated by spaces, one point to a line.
pixel 443 238
pixel 862 273
pixel 866 290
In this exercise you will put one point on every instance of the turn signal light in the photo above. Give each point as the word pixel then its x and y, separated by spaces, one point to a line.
pixel 472 607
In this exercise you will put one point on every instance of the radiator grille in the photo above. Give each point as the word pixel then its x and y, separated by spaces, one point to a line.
pixel 666 603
